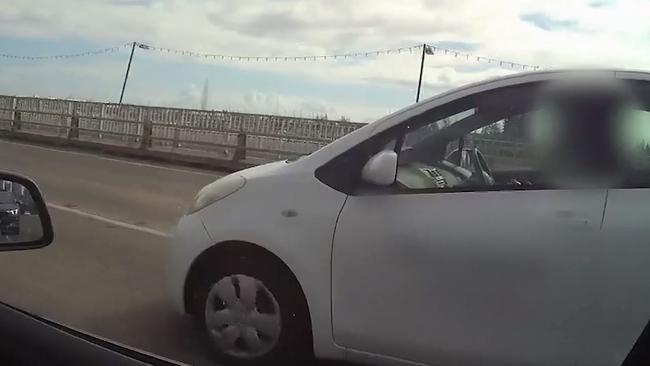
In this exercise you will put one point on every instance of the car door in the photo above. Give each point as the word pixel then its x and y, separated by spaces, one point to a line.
pixel 625 264
pixel 491 275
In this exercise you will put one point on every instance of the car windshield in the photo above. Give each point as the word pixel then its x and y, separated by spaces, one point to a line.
pixel 257 183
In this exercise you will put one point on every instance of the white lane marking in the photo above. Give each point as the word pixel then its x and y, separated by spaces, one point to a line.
pixel 110 221
pixel 216 174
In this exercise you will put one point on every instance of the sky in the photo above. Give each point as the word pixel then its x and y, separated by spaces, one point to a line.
pixel 550 33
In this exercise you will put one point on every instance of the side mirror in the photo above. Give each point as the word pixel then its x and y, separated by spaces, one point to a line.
pixel 381 169
pixel 24 220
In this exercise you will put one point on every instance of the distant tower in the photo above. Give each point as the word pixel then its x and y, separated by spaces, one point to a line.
pixel 204 96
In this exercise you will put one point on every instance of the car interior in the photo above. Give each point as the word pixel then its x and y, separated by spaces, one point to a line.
pixel 427 165
pixel 449 157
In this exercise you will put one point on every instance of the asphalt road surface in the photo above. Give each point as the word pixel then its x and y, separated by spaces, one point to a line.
pixel 104 271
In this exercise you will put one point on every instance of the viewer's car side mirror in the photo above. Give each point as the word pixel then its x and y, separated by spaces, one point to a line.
pixel 381 169
pixel 24 220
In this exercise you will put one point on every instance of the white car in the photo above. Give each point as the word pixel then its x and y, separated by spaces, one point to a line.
pixel 376 249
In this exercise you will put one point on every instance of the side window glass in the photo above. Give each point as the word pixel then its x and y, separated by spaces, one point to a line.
pixel 504 144
pixel 479 142
pixel 634 141
pixel 425 139
pixel 468 151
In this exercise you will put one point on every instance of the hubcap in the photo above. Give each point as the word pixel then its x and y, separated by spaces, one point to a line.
pixel 242 316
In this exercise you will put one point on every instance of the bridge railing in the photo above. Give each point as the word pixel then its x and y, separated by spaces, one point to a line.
pixel 237 137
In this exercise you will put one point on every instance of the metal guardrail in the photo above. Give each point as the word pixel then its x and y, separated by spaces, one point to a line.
pixel 253 138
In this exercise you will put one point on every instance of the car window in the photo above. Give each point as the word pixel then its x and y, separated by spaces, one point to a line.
pixel 634 139
pixel 470 150
pixel 415 136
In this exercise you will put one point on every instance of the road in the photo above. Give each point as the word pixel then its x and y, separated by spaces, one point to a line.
pixel 104 271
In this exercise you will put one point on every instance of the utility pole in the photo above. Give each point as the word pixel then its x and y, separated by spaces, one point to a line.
pixel 128 67
pixel 424 50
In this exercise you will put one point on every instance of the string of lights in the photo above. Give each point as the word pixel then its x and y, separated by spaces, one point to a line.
pixel 341 56
pixel 430 49
pixel 66 56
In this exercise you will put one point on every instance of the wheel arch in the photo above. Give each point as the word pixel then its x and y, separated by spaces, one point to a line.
pixel 230 249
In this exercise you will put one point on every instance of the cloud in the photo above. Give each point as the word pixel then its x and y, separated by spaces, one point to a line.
pixel 132 2
pixel 97 81
pixel 600 3
pixel 458 45
pixel 547 23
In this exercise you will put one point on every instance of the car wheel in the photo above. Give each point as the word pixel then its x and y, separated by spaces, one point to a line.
pixel 253 314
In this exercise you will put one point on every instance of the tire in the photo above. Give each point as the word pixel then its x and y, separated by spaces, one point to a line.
pixel 290 345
